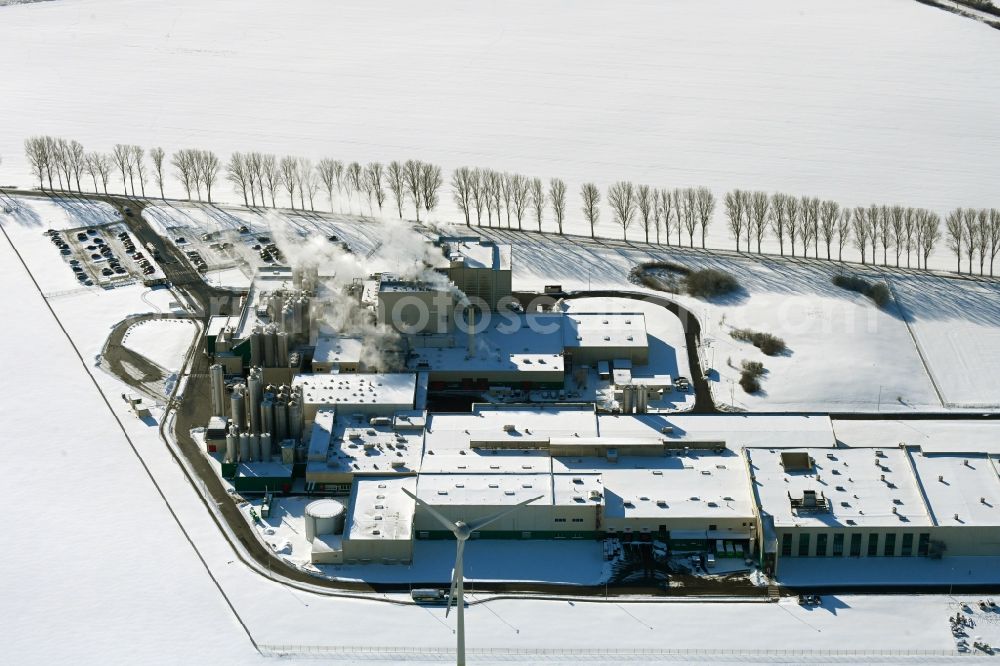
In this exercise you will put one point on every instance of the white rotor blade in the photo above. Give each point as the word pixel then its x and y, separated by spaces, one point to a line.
pixel 483 522
pixel 455 573
pixel 441 519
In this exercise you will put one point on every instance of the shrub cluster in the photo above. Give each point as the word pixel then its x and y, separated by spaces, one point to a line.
pixel 710 282
pixel 770 345
pixel 750 376
pixel 878 292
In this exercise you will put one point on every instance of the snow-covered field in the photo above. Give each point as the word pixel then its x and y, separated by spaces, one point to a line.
pixel 839 98
pixel 162 341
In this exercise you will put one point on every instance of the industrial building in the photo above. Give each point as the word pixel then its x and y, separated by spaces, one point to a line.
pixel 479 268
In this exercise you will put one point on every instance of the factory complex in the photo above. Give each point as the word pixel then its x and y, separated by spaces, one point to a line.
pixel 347 391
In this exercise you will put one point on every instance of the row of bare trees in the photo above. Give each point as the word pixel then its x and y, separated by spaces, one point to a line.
pixel 809 223
pixel 974 233
pixel 492 192
pixel 64 165
pixel 661 212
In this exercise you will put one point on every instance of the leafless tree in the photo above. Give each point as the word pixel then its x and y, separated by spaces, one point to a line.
pixel 412 176
pixel 375 174
pixel 90 166
pixel 477 193
pixel 760 207
pixel 810 224
pixel 843 231
pixel 669 213
pixel 305 179
pixel 689 212
pixel 207 170
pixel 884 232
pixel 352 179
pixel 905 236
pixel 430 185
pixel 591 199
pixel 287 170
pixel 705 207
pixel 931 234
pixel 970 234
pixel 621 199
pixel 122 156
pixel 76 159
pixel 396 177
pixel 956 234
pixel 519 194
pixel 645 203
pixel 183 160
pixel 327 176
pixel 139 165
pixel 779 220
pixel 60 155
pixel 993 234
pixel 496 182
pixel 36 151
pixel 873 214
pixel 537 198
pixel 236 173
pixel 461 191
pixel 557 195
pixel 793 219
pixel 156 154
pixel 862 231
pixel 734 202
pixel 829 214
pixel 506 183
pixel 897 219
pixel 270 177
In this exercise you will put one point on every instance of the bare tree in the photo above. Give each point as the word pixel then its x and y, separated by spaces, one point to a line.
pixel 236 173
pixel 310 181
pixel 412 176
pixel 183 161
pixel 646 204
pixel 862 231
pixel 793 219
pixel 519 193
pixel 689 212
pixel 760 208
pixel 993 236
pixel 956 234
pixel 557 195
pixel 396 177
pixel 897 219
pixel 375 174
pixel 270 177
pixel 430 185
pixel 829 214
pixel 669 212
pixel 122 156
pixel 905 235
pixel 352 180
pixel 810 224
pixel 139 164
pixel 156 154
pixel 779 220
pixel 970 233
pixel 506 183
pixel 591 199
pixel 287 170
pixel 931 234
pixel 982 237
pixel 461 191
pixel 537 200
pixel 60 154
pixel 327 176
pixel 734 203
pixel 76 160
pixel 90 166
pixel 873 214
pixel 37 153
pixel 208 170
pixel 884 233
pixel 496 182
pixel 477 192
pixel 705 207
pixel 843 232
pixel 306 183
pixel 621 199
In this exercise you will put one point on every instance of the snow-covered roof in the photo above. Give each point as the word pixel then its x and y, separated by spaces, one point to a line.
pixel 454 432
pixel 931 436
pixel 477 253
pixel 737 430
pixel 961 488
pixel 357 389
pixel 321 435
pixel 600 329
pixel 697 484
pixel 861 487
pixel 485 489
pixel 358 447
pixel 334 349
pixel 380 510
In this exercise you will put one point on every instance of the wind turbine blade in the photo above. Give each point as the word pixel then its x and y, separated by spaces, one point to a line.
pixel 455 573
pixel 450 526
pixel 483 522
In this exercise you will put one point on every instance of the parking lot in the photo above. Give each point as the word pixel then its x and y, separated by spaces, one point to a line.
pixel 220 250
pixel 105 256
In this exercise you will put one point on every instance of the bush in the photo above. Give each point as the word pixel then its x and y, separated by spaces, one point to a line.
pixel 878 292
pixel 770 345
pixel 709 282
pixel 755 368
pixel 749 383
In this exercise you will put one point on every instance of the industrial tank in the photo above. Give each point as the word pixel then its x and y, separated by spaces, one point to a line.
pixel 325 516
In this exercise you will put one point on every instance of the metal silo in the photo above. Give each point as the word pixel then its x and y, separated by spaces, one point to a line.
pixel 255 393
pixel 282 349
pixel 280 419
pixel 265 446
pixel 295 419
pixel 267 413
pixel 232 440
pixel 237 405
pixel 244 447
pixel 218 381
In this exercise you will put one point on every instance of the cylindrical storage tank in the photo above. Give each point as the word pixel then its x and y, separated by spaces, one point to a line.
pixel 244 447
pixel 270 357
pixel 327 517
pixel 641 400
pixel 282 342
pixel 265 446
pixel 626 400
pixel 256 353
pixel 295 419
pixel 288 452
pixel 255 391
pixel 267 414
pixel 238 408
pixel 287 319
pixel 218 379
pixel 280 420
pixel 232 440
pixel 255 447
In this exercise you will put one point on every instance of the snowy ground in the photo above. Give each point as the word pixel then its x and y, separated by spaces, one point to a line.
pixel 839 98
pixel 163 341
